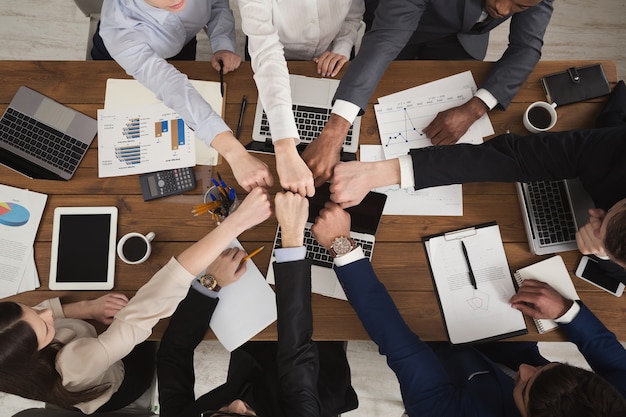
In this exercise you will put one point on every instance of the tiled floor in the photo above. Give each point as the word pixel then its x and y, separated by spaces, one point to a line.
pixel 56 30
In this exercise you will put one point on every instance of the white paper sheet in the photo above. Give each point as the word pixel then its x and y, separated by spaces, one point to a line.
pixel 20 215
pixel 246 307
pixel 435 201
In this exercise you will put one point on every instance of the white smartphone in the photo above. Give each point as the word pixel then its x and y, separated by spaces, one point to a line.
pixel 589 270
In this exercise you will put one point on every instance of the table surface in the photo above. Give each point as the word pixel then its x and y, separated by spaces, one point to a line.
pixel 398 259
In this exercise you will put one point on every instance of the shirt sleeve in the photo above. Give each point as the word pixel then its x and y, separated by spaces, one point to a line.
pixel 221 27
pixel 346 38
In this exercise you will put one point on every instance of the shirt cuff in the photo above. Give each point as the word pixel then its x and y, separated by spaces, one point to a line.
pixel 407 175
pixel 348 258
pixel 345 109
pixel 289 254
pixel 203 290
pixel 569 314
pixel 487 98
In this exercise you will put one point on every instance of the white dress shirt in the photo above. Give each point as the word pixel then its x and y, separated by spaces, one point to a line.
pixel 140 37
pixel 280 30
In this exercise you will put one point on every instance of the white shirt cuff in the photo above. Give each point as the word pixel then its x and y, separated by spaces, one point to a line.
pixel 569 314
pixel 289 254
pixel 487 98
pixel 203 290
pixel 345 109
pixel 348 258
pixel 407 175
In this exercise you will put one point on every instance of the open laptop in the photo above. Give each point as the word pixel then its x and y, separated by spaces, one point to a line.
pixel 365 219
pixel 43 139
pixel 312 100
pixel 553 211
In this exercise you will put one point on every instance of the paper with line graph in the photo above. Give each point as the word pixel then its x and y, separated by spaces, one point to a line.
pixel 400 124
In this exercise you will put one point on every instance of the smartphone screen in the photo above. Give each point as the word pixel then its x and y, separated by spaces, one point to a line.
pixel 594 273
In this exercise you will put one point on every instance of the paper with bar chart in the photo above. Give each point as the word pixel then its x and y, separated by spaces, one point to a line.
pixel 143 139
pixel 400 123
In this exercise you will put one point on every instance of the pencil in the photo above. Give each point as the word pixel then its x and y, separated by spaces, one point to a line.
pixel 254 252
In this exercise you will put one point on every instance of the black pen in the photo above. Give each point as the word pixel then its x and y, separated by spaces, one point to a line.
pixel 221 76
pixel 469 266
pixel 244 100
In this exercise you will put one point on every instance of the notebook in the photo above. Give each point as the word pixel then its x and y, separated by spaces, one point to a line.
pixel 365 219
pixel 43 139
pixel 473 288
pixel 553 211
pixel 551 271
pixel 312 101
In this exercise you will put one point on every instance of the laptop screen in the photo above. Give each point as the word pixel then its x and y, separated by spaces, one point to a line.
pixel 365 217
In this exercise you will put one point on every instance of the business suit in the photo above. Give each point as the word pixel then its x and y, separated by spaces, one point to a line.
pixel 277 379
pixel 398 22
pixel 462 380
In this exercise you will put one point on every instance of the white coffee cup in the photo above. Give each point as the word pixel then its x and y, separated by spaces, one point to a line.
pixel 540 116
pixel 135 248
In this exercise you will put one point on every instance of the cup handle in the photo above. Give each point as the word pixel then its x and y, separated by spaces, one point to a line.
pixel 150 236
pixel 553 105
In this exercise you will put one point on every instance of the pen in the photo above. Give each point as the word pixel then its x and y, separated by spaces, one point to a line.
pixel 252 254
pixel 221 76
pixel 244 100
pixel 469 266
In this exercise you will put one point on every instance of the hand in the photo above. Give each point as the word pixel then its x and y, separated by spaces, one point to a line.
pixel 323 153
pixel 228 268
pixel 292 211
pixel 332 223
pixel 293 173
pixel 352 180
pixel 249 171
pixel 588 236
pixel 103 309
pixel 329 63
pixel 451 124
pixel 540 301
pixel 230 60
pixel 254 209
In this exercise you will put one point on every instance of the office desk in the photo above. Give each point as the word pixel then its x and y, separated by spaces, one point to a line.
pixel 399 255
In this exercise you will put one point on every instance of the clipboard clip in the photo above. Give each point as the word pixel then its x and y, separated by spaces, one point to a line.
pixel 460 234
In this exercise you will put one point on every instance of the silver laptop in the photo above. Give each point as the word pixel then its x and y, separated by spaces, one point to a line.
pixel 365 219
pixel 43 139
pixel 553 211
pixel 312 100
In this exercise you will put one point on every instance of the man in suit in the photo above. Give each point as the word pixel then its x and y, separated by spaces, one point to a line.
pixel 473 380
pixel 444 29
pixel 291 377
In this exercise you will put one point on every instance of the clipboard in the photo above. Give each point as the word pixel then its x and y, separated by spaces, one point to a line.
pixel 473 314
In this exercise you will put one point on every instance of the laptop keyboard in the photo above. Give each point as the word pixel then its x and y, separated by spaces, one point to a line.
pixel 309 120
pixel 318 254
pixel 41 141
pixel 551 212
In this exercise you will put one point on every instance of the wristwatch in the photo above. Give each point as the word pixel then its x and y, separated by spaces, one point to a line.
pixel 341 246
pixel 209 282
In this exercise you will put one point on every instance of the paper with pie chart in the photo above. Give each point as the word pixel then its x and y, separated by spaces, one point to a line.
pixel 20 215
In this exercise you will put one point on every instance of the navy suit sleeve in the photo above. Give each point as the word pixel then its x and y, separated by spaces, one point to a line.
pixel 604 353
pixel 524 51
pixel 297 358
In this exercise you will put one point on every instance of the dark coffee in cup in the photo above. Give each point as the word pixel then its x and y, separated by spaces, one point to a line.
pixel 135 248
pixel 539 117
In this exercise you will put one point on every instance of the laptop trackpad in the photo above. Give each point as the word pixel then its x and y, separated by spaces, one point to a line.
pixel 311 91
pixel 55 115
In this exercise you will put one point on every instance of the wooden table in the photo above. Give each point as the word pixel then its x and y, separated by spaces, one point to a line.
pixel 399 255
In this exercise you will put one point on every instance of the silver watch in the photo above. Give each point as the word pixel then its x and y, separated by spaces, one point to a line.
pixel 341 246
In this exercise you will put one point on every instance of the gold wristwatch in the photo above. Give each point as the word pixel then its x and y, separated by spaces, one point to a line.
pixel 341 246
pixel 209 282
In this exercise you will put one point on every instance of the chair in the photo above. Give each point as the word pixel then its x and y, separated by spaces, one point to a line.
pixel 91 9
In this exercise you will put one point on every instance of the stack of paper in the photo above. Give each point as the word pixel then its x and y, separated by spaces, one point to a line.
pixel 20 214
pixel 401 117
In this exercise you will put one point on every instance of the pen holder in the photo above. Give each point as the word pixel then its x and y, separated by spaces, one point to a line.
pixel 228 199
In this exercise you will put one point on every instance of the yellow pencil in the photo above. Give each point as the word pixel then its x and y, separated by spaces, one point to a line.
pixel 254 252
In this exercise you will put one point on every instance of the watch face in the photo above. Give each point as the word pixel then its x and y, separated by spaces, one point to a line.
pixel 208 281
pixel 341 246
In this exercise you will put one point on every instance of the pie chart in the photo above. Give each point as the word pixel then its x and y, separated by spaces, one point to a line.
pixel 12 214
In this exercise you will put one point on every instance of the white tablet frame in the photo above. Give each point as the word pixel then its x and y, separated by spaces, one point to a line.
pixel 53 284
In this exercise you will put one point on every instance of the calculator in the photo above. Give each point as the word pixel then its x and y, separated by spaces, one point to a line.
pixel 169 182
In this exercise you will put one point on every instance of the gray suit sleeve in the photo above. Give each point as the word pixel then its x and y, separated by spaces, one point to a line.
pixel 524 50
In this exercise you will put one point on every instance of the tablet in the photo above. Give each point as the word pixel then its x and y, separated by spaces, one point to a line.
pixel 83 248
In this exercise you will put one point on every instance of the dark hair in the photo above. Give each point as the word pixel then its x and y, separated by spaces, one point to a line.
pixel 29 372
pixel 615 238
pixel 566 390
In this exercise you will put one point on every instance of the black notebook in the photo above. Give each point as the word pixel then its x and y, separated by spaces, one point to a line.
pixel 575 84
